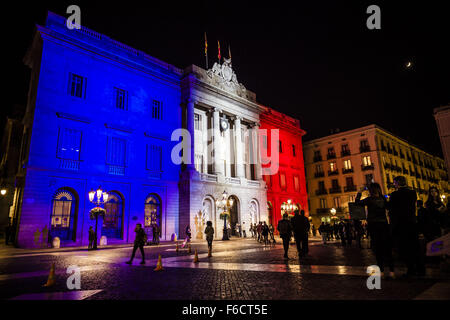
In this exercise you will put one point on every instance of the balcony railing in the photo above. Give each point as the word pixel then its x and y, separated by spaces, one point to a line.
pixel 73 165
pixel 364 148
pixel 116 170
pixel 349 188
pixel 331 156
pixel 349 170
pixel 367 167
pixel 345 153
pixel 317 158
pixel 319 174
pixel 333 173
pixel 321 192
pixel 335 190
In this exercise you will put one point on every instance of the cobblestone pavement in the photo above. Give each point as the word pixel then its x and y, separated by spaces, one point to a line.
pixel 239 269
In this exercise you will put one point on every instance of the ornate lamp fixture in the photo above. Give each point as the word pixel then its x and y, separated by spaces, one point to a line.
pixel 98 198
pixel 225 204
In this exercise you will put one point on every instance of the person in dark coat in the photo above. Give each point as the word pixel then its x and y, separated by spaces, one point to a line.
pixel 378 226
pixel 139 242
pixel 359 232
pixel 435 210
pixel 91 238
pixel 7 233
pixel 265 233
pixel 300 226
pixel 342 233
pixel 402 213
pixel 209 231
pixel 323 232
pixel 285 230
pixel 155 231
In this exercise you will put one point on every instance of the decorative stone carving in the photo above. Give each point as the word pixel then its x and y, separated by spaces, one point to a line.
pixel 224 77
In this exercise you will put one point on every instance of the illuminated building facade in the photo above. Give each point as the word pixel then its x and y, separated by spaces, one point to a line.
pixel 442 116
pixel 286 190
pixel 338 165
pixel 102 114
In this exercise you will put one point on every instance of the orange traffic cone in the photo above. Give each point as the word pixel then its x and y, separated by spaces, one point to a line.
pixel 176 248
pixel 196 257
pixel 51 277
pixel 189 248
pixel 209 253
pixel 159 266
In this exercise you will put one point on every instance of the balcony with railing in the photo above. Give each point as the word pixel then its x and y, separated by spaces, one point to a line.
pixel 345 153
pixel 348 170
pixel 68 164
pixel 333 173
pixel 116 170
pixel 321 192
pixel 364 148
pixel 317 158
pixel 335 190
pixel 319 174
pixel 350 188
pixel 331 156
pixel 405 171
pixel 367 167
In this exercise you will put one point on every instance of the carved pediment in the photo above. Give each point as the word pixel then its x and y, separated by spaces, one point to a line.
pixel 224 77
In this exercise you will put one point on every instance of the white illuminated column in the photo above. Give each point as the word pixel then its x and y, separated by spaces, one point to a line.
pixel 239 151
pixel 218 164
pixel 190 104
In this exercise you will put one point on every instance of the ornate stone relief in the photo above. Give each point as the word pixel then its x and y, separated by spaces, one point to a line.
pixel 224 77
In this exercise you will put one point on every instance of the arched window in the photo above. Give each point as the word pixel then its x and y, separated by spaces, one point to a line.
pixel 152 215
pixel 62 220
pixel 152 211
pixel 112 222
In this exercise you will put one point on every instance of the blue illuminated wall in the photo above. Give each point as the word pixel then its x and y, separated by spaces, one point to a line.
pixel 105 65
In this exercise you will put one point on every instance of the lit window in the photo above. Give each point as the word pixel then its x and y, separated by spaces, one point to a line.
pixel 367 161
pixel 296 183
pixel 347 164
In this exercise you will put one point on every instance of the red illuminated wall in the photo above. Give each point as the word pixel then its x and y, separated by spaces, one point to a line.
pixel 290 165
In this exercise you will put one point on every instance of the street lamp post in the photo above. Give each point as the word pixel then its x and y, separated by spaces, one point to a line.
pixel 98 198
pixel 224 204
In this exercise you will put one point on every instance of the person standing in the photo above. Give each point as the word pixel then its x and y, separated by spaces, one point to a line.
pixel 285 229
pixel 435 212
pixel 156 233
pixel 209 232
pixel 314 231
pixel 378 226
pixel 323 232
pixel 91 238
pixel 359 232
pixel 265 233
pixel 271 233
pixel 258 231
pixel 300 226
pixel 342 233
pixel 139 242
pixel 402 213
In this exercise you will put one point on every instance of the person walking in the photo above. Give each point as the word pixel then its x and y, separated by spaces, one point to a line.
pixel 359 231
pixel 300 226
pixel 342 233
pixel 156 234
pixel 271 233
pixel 139 242
pixel 265 233
pixel 91 238
pixel 209 232
pixel 323 232
pixel 402 213
pixel 285 229
pixel 258 231
pixel 314 231
pixel 378 226
pixel 349 232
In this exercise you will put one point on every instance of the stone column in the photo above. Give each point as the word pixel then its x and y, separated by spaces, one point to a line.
pixel 256 151
pixel 218 164
pixel 190 104
pixel 239 150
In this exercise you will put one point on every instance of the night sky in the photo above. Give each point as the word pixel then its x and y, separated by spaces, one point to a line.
pixel 313 60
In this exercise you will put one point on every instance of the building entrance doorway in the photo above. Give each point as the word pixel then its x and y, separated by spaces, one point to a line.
pixel 234 215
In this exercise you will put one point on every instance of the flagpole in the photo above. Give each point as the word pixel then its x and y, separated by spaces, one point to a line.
pixel 206 51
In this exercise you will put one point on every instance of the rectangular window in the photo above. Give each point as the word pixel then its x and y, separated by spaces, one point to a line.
pixel 319 168
pixel 283 181
pixel 197 122
pixel 349 181
pixel 369 178
pixel 154 158
pixel 77 86
pixel 347 164
pixel 268 180
pixel 121 99
pixel 337 202
pixel 69 144
pixel 116 152
pixel 333 166
pixel 317 154
pixel 334 183
pixel 280 146
pixel 323 203
pixel 321 185
pixel 367 161
pixel 296 184
pixel 157 111
pixel 293 150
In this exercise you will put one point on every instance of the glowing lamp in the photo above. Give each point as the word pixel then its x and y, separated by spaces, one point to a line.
pixel 333 211
pixel 105 197
pixel 91 195
pixel 3 192
pixel 99 193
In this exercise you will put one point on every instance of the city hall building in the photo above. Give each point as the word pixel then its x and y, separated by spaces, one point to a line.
pixel 101 114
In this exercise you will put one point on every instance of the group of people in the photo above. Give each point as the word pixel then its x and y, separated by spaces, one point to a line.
pixel 298 226
pixel 263 232
pixel 346 231
pixel 393 224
